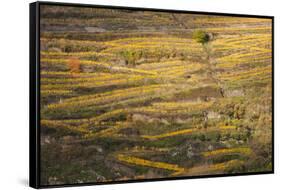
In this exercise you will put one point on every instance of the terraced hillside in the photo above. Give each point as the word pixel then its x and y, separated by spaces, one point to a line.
pixel 132 95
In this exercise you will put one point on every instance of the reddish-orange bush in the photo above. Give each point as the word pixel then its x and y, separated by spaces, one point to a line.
pixel 74 65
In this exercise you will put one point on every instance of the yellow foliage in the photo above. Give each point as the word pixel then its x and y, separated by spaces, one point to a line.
pixel 148 163
pixel 175 133
pixel 58 124
pixel 187 131
pixel 247 74
pixel 239 150
pixel 105 97
pixel 55 92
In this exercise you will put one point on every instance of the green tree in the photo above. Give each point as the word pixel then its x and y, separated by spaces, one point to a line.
pixel 201 36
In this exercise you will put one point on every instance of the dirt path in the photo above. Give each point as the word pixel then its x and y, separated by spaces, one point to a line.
pixel 211 71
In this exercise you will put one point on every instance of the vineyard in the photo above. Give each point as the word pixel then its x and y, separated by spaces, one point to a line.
pixel 131 95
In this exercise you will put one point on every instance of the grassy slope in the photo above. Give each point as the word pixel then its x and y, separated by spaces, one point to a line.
pixel 141 99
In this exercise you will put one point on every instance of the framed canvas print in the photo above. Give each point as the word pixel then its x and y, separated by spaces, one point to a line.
pixel 121 94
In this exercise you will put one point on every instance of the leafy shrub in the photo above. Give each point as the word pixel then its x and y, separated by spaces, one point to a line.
pixel 74 65
pixel 131 57
pixel 201 36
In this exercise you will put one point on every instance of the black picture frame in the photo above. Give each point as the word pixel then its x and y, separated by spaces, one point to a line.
pixel 34 106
